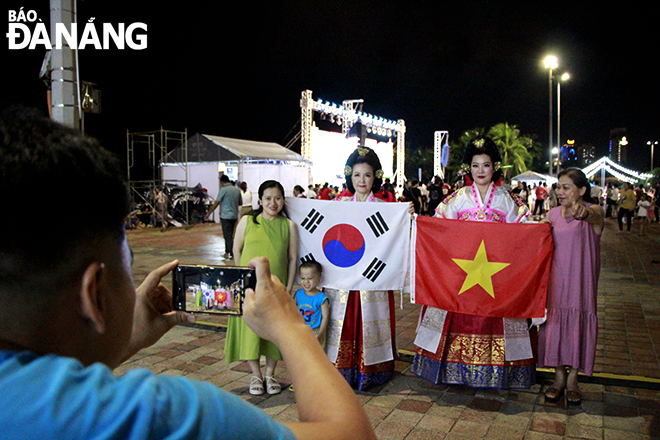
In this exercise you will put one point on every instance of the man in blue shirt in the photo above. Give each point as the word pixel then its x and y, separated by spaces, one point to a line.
pixel 229 199
pixel 69 313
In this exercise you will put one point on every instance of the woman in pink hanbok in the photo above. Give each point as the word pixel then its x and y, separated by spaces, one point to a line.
pixel 455 348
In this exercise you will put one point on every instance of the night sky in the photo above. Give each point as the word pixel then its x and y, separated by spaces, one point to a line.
pixel 236 69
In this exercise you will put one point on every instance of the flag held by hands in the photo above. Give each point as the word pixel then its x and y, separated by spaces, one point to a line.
pixel 480 268
pixel 361 246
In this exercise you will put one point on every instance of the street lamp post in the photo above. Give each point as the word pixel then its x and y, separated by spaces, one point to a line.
pixel 550 63
pixel 652 144
pixel 564 77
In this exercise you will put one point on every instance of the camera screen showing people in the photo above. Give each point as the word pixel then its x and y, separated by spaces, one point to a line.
pixel 216 290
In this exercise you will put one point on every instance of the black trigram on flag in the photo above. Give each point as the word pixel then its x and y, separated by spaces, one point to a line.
pixel 374 270
pixel 377 224
pixel 312 221
pixel 308 257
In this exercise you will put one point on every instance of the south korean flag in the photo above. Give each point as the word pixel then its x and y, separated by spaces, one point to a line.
pixel 361 246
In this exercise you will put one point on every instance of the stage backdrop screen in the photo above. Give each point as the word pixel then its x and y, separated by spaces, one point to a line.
pixel 330 150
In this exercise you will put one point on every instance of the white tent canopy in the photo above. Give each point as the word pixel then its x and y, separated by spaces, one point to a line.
pixel 254 150
pixel 533 177
pixel 241 160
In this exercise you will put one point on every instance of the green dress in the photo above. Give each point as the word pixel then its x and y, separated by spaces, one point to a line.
pixel 270 239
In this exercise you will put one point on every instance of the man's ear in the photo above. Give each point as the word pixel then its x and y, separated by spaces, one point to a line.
pixel 92 299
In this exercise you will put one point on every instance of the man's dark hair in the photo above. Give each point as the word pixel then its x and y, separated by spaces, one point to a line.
pixel 224 178
pixel 62 195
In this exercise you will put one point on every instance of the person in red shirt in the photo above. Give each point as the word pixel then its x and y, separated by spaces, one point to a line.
pixel 324 194
pixel 541 193
pixel 446 189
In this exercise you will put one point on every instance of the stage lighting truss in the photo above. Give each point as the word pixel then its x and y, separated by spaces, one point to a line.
pixel 616 170
pixel 347 115
pixel 441 138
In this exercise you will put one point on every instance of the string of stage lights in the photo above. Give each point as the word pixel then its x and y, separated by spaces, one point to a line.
pixel 618 171
pixel 342 114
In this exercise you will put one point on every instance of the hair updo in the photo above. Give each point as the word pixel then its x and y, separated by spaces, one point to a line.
pixel 482 145
pixel 368 156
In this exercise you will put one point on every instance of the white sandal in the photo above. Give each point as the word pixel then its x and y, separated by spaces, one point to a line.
pixel 272 385
pixel 256 386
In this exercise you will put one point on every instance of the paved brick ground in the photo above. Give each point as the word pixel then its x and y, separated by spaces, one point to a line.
pixel 622 401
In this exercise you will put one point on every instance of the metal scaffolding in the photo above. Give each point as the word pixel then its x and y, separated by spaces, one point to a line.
pixel 158 146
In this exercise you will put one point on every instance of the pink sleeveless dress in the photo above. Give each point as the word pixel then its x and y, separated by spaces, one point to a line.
pixel 569 335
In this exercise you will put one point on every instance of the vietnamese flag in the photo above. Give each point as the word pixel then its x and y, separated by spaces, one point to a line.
pixel 480 268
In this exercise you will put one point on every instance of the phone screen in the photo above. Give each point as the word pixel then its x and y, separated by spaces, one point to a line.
pixel 217 290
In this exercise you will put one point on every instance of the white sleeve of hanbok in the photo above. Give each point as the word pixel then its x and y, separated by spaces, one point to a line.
pixel 455 203
pixel 514 210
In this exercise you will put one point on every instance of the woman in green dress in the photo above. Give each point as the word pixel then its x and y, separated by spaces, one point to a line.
pixel 266 232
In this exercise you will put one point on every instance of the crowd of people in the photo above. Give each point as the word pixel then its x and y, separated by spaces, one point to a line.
pixel 471 350
pixel 628 204
pixel 537 196
pixel 58 353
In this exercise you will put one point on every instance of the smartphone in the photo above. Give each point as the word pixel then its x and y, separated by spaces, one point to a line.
pixel 216 290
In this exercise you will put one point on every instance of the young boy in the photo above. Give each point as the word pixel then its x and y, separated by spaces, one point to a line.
pixel 312 303
pixel 644 207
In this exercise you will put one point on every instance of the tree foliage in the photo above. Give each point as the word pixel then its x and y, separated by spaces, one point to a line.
pixel 518 151
pixel 653 181
pixel 419 158
pixel 514 148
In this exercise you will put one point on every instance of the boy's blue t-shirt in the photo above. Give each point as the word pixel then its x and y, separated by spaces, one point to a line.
pixel 54 397
pixel 310 307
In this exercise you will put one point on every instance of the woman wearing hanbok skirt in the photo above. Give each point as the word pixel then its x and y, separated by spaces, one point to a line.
pixel 361 340
pixel 454 348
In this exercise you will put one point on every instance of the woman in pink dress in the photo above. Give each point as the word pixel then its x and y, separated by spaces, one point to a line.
pixel 567 340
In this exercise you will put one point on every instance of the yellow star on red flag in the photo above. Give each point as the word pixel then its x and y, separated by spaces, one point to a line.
pixel 479 271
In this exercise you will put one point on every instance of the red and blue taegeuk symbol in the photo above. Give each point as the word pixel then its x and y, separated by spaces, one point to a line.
pixel 343 245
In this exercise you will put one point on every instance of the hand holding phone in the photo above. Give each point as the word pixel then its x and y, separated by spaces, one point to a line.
pixel 154 314
pixel 215 290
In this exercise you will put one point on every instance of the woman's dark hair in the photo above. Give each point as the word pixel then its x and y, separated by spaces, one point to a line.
pixel 368 156
pixel 580 180
pixel 482 145
pixel 262 188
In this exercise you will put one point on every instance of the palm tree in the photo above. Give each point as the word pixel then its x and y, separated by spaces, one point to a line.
pixel 514 148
